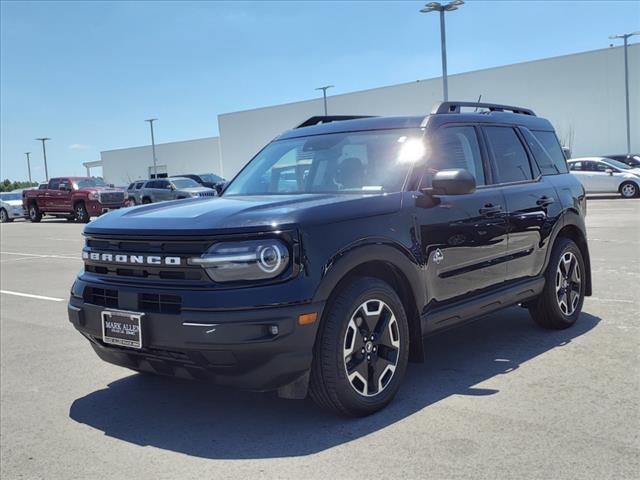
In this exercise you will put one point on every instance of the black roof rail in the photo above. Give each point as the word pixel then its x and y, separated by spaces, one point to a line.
pixel 455 107
pixel 328 119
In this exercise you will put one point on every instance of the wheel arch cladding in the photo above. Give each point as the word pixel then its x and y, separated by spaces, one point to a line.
pixel 390 265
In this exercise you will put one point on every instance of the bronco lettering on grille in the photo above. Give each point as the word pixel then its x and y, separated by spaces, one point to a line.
pixel 132 259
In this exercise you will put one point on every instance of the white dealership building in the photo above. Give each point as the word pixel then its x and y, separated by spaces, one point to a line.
pixel 582 94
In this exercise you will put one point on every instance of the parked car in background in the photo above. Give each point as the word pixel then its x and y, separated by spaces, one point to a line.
pixel 173 188
pixel 73 198
pixel 11 206
pixel 210 180
pixel 631 159
pixel 605 175
pixel 132 197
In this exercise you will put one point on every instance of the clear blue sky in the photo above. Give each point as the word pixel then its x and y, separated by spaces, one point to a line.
pixel 87 74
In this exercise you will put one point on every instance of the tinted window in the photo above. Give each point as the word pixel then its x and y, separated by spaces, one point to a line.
pixel 54 183
pixel 511 161
pixel 130 187
pixel 575 166
pixel 65 183
pixel 552 148
pixel 456 147
pixel 600 167
pixel 150 184
pixel 162 184
pixel 139 185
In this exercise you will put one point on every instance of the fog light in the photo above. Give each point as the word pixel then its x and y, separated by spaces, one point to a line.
pixel 273 329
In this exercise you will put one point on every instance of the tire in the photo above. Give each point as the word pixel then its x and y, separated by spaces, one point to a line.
pixel 81 214
pixel 629 190
pixel 35 215
pixel 558 307
pixel 131 202
pixel 146 200
pixel 4 216
pixel 71 218
pixel 340 346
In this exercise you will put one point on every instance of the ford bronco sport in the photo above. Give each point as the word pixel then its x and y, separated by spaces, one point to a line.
pixel 334 252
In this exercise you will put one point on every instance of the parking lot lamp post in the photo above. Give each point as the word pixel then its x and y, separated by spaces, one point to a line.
pixel 28 165
pixel 153 147
pixel 324 96
pixel 625 38
pixel 438 7
pixel 44 154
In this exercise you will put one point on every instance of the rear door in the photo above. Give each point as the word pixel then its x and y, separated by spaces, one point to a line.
pixel 463 237
pixel 49 196
pixel 532 204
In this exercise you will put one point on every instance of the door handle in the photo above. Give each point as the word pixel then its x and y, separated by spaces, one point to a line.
pixel 490 209
pixel 544 201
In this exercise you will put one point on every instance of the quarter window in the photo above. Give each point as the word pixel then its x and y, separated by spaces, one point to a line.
pixel 549 142
pixel 455 147
pixel 510 157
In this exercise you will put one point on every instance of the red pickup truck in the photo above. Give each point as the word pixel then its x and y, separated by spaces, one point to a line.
pixel 74 198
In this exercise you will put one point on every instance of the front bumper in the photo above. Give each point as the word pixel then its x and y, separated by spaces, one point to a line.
pixel 96 208
pixel 17 213
pixel 226 347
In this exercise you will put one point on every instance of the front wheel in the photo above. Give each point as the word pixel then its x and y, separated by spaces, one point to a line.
pixel 35 215
pixel 362 349
pixel 560 303
pixel 4 216
pixel 629 190
pixel 82 216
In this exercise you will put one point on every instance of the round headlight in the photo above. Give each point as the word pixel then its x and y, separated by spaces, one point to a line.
pixel 270 258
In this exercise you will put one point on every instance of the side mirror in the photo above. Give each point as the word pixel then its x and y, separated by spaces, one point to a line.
pixel 171 187
pixel 455 181
pixel 609 171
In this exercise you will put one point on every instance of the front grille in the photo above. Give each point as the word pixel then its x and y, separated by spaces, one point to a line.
pixel 159 303
pixel 104 297
pixel 206 194
pixel 111 197
pixel 175 248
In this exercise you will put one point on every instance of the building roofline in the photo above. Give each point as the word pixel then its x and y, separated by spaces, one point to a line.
pixel 297 102
pixel 160 144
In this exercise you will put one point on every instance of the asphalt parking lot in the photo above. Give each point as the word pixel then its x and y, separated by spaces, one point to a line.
pixel 498 398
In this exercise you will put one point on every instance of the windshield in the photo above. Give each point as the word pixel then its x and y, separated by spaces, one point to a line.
pixel 211 178
pixel 10 196
pixel 88 183
pixel 351 162
pixel 184 183
pixel 617 164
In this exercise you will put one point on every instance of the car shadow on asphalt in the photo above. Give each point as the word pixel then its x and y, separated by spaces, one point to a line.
pixel 217 423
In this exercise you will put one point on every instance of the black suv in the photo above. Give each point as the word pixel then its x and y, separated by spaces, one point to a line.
pixel 336 250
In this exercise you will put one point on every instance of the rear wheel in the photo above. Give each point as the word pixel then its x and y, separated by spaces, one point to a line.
pixel 560 303
pixel 629 190
pixel 82 216
pixel 146 200
pixel 35 215
pixel 130 202
pixel 361 352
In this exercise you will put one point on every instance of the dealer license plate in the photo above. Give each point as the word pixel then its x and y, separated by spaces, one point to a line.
pixel 122 328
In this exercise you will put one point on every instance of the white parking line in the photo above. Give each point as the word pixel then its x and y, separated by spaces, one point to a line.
pixel 28 295
pixel 72 257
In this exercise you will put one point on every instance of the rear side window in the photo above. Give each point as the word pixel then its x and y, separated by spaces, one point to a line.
pixel 456 147
pixel 552 148
pixel 510 157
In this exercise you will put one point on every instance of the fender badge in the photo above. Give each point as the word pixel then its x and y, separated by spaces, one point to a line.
pixel 438 256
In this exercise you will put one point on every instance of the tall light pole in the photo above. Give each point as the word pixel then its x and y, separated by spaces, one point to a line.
pixel 324 96
pixel 625 38
pixel 153 147
pixel 44 154
pixel 438 7
pixel 28 165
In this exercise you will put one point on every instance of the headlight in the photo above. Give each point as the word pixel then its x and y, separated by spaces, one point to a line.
pixel 94 196
pixel 249 260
